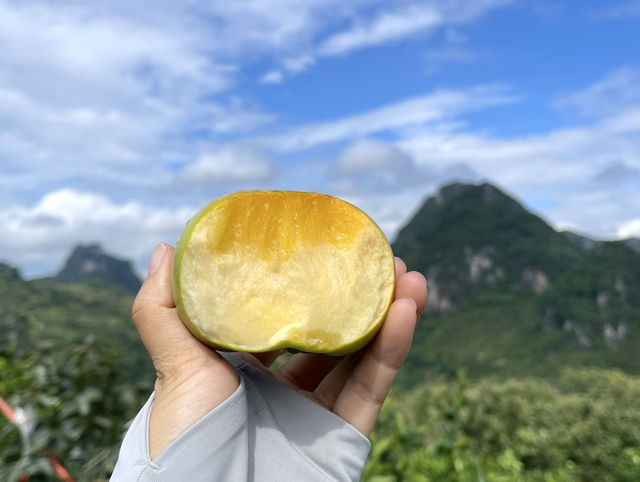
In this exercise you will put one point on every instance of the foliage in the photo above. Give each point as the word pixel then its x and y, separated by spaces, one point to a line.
pixel 66 314
pixel 78 399
pixel 502 335
pixel 585 428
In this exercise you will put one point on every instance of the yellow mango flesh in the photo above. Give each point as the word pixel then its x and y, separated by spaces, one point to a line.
pixel 261 270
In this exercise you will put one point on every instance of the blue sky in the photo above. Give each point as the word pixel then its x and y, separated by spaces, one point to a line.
pixel 119 120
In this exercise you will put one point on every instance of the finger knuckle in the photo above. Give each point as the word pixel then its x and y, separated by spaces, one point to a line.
pixel 139 307
pixel 365 392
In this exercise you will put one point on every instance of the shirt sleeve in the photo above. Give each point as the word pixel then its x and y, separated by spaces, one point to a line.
pixel 265 431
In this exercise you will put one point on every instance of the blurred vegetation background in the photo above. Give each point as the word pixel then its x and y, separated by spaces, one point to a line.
pixel 525 367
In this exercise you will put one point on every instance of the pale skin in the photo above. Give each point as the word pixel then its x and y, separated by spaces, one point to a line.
pixel 192 379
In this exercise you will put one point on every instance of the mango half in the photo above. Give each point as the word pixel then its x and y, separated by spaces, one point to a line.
pixel 261 270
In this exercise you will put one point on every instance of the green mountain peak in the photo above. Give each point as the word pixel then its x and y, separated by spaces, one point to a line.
pixel 472 238
pixel 510 294
pixel 90 263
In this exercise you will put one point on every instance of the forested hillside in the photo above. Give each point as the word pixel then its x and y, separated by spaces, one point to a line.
pixel 64 314
pixel 510 296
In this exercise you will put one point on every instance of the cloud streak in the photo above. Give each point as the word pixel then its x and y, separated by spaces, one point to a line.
pixel 386 27
pixel 605 97
pixel 418 18
pixel 438 106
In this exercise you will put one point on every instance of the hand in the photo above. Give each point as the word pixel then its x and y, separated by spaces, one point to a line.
pixel 192 379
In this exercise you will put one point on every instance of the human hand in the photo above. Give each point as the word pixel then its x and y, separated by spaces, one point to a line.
pixel 193 379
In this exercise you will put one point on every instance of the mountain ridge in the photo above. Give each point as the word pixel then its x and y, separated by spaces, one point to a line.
pixel 89 262
pixel 505 284
pixel 469 238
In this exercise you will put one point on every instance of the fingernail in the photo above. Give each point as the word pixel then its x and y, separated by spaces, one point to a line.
pixel 156 258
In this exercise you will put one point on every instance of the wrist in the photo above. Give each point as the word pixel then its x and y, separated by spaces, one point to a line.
pixel 180 402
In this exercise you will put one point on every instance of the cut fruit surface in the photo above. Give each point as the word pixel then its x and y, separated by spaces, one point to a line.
pixel 261 270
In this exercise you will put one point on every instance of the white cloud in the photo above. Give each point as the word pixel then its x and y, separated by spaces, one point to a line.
pixel 113 53
pixel 609 213
pixel 438 106
pixel 386 27
pixel 614 132
pixel 371 154
pixel 561 156
pixel 39 237
pixel 235 117
pixel 298 63
pixel 383 180
pixel 230 164
pixel 618 89
pixel 617 173
pixel 404 22
pixel 284 27
pixel 624 10
pixel 272 77
pixel 91 93
pixel 585 178
pixel 91 87
pixel 630 229
pixel 565 166
pixel 373 166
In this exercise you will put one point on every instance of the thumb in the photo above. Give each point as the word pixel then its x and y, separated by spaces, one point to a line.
pixel 157 287
pixel 192 378
pixel 154 311
pixel 175 352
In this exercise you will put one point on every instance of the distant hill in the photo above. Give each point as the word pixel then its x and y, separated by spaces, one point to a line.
pixel 510 295
pixel 91 263
pixel 65 313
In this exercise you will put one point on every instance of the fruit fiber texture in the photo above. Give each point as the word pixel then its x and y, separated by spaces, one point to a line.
pixel 262 270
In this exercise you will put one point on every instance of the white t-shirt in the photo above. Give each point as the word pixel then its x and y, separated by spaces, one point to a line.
pixel 265 431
